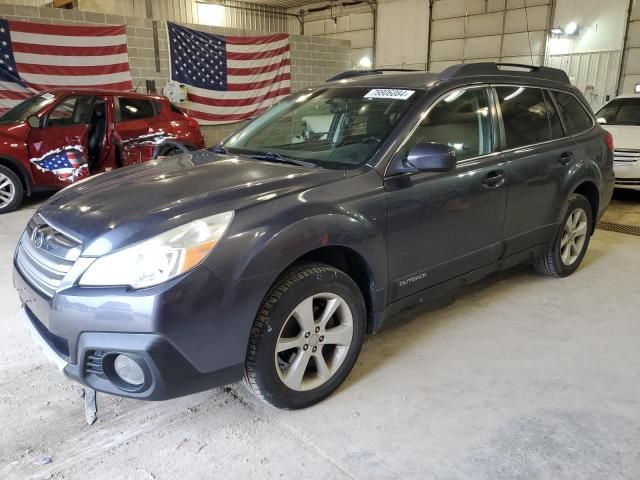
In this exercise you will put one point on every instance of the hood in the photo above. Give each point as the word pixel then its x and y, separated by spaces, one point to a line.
pixel 114 209
pixel 624 136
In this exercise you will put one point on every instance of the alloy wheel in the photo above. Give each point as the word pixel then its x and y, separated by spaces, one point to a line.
pixel 7 190
pixel 314 341
pixel 574 236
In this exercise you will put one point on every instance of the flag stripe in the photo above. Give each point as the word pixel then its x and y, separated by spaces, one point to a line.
pixel 241 80
pixel 233 40
pixel 245 109
pixel 123 86
pixel 260 62
pixel 10 95
pixel 240 94
pixel 257 55
pixel 262 47
pixel 71 52
pixel 258 70
pixel 76 80
pixel 74 70
pixel 235 87
pixel 68 41
pixel 26 58
pixel 235 102
pixel 66 30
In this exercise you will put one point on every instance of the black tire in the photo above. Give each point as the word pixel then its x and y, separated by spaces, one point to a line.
pixel 8 175
pixel 291 288
pixel 551 263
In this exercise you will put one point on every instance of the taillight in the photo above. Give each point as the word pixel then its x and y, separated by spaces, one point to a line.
pixel 608 139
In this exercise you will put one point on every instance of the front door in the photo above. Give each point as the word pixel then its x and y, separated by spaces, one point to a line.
pixel 443 225
pixel 58 148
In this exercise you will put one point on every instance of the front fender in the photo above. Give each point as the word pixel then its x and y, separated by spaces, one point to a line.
pixel 311 233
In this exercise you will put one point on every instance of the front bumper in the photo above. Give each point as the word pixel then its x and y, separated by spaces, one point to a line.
pixel 188 335
pixel 627 175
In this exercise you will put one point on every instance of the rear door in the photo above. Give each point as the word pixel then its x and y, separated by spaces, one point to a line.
pixel 538 155
pixel 134 130
pixel 58 149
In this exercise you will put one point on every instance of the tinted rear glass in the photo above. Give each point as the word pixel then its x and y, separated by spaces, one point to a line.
pixel 576 118
pixel 135 108
pixel 622 111
pixel 524 113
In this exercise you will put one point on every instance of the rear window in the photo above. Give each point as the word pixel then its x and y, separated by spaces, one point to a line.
pixel 136 108
pixel 524 113
pixel 621 111
pixel 575 116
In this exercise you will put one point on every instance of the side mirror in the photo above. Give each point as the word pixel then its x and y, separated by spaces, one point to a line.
pixel 33 121
pixel 431 157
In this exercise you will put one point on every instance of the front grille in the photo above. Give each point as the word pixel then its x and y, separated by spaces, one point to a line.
pixel 626 155
pixel 93 362
pixel 627 181
pixel 44 264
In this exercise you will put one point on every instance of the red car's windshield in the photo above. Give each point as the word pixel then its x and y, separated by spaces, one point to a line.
pixel 24 109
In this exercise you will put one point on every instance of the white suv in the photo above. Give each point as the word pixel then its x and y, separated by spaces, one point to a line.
pixel 621 117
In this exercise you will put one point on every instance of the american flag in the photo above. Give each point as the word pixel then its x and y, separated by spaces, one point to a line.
pixel 229 78
pixel 66 163
pixel 35 57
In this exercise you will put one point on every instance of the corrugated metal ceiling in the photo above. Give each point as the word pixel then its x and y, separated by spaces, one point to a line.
pixel 286 3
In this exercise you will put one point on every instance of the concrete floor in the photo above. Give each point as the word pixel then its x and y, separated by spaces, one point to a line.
pixel 624 208
pixel 519 377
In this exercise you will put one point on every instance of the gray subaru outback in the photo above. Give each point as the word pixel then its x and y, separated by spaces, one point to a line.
pixel 270 256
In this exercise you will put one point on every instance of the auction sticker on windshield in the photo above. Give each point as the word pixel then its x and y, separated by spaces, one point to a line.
pixel 389 93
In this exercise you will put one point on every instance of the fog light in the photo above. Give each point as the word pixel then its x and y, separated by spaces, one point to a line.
pixel 128 370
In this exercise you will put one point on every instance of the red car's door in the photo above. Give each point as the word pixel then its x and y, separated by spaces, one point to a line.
pixel 134 117
pixel 58 148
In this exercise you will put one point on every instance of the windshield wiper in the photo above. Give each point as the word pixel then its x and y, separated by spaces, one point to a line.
pixel 277 157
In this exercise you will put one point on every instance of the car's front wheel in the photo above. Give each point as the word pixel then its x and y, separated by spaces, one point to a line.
pixel 572 239
pixel 306 337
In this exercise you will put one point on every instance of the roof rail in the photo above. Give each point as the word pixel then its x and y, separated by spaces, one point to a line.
pixel 362 73
pixel 504 69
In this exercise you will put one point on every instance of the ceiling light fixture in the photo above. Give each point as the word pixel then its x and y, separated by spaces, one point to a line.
pixel 571 28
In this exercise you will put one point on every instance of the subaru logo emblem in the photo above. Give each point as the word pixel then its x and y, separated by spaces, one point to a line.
pixel 37 237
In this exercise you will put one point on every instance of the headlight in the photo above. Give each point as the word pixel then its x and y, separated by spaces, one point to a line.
pixel 160 258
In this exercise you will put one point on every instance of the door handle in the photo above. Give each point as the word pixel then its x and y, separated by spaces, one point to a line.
pixel 494 179
pixel 565 158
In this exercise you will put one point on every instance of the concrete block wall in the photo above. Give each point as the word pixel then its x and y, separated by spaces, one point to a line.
pixel 488 30
pixel 353 23
pixel 313 59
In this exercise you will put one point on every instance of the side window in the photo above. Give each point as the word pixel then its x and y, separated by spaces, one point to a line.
pixel 554 117
pixel 461 120
pixel 524 114
pixel 135 109
pixel 72 110
pixel 574 114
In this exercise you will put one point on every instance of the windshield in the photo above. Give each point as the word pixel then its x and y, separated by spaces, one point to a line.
pixel 334 128
pixel 29 107
pixel 621 111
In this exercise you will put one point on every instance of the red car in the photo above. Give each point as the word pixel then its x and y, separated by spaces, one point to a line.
pixel 60 136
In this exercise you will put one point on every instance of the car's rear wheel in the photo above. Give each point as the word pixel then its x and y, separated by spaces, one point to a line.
pixel 11 190
pixel 306 337
pixel 572 239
